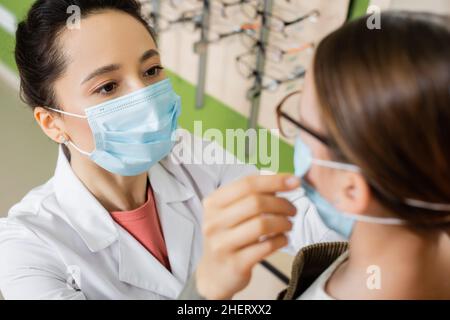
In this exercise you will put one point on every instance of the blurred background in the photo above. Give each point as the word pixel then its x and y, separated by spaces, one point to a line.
pixel 215 72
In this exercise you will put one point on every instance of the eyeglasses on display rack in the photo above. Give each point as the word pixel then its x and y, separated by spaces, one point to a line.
pixel 278 24
pixel 164 24
pixel 176 4
pixel 223 6
pixel 265 22
pixel 246 28
pixel 268 81
pixel 273 52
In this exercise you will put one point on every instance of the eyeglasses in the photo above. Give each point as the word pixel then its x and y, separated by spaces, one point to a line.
pixel 224 6
pixel 268 82
pixel 164 24
pixel 176 4
pixel 287 111
pixel 275 53
pixel 247 28
pixel 277 23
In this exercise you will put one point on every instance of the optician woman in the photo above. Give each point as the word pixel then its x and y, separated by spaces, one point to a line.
pixel 121 217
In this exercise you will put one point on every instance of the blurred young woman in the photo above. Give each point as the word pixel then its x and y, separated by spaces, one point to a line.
pixel 373 155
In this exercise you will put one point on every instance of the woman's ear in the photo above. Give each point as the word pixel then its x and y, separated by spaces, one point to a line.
pixel 354 195
pixel 52 125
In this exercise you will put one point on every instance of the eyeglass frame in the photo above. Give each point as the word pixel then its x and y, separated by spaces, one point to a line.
pixel 273 80
pixel 245 28
pixel 286 23
pixel 190 16
pixel 225 5
pixel 283 115
pixel 265 46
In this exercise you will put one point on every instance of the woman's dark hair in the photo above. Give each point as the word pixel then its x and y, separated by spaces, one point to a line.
pixel 384 98
pixel 38 57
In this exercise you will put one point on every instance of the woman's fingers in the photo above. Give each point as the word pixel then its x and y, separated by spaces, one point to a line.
pixel 243 223
pixel 253 254
pixel 251 185
pixel 252 231
pixel 248 208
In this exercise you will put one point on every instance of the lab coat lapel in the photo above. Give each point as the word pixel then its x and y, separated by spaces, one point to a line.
pixel 177 221
pixel 80 208
pixel 136 265
pixel 178 234
pixel 139 268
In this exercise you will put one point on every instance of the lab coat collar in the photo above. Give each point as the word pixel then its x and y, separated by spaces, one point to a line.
pixel 93 222
pixel 98 230
pixel 149 273
pixel 81 209
pixel 165 186
pixel 178 230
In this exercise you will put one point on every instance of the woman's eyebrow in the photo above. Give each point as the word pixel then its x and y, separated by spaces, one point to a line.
pixel 149 54
pixel 113 67
pixel 100 71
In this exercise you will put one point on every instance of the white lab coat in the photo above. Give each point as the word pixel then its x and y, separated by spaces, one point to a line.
pixel 60 243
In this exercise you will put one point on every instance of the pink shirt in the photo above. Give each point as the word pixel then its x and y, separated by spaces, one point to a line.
pixel 143 224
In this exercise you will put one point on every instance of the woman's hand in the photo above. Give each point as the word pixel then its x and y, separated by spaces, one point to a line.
pixel 244 222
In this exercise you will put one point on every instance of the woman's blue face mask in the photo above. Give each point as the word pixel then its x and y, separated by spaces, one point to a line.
pixel 343 222
pixel 133 132
pixel 338 221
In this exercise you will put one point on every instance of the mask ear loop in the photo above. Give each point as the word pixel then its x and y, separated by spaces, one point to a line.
pixel 63 138
pixel 381 220
pixel 443 207
pixel 357 217
pixel 68 113
pixel 66 142
pixel 375 220
pixel 428 205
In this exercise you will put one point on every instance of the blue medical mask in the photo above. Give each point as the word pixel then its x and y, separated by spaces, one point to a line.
pixel 133 132
pixel 343 222
pixel 340 222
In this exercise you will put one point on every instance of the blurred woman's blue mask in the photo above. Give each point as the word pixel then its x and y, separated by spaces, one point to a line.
pixel 343 222
pixel 133 132
pixel 338 221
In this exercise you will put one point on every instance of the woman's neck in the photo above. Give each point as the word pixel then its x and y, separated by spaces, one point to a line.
pixel 114 192
pixel 393 262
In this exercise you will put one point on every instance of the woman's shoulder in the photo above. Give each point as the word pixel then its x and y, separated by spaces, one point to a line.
pixel 27 260
pixel 21 231
pixel 28 213
pixel 311 269
pixel 18 231
pixel 32 202
pixel 317 290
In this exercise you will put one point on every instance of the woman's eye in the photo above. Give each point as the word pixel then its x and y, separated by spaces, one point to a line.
pixel 107 88
pixel 153 71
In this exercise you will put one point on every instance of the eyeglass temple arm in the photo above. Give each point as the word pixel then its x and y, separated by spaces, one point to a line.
pixel 300 19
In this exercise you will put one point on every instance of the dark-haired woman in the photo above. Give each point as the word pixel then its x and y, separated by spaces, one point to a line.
pixel 373 155
pixel 121 217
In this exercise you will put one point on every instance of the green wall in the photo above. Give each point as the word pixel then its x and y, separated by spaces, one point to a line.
pixel 7 49
pixel 215 114
pixel 357 8
pixel 18 7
